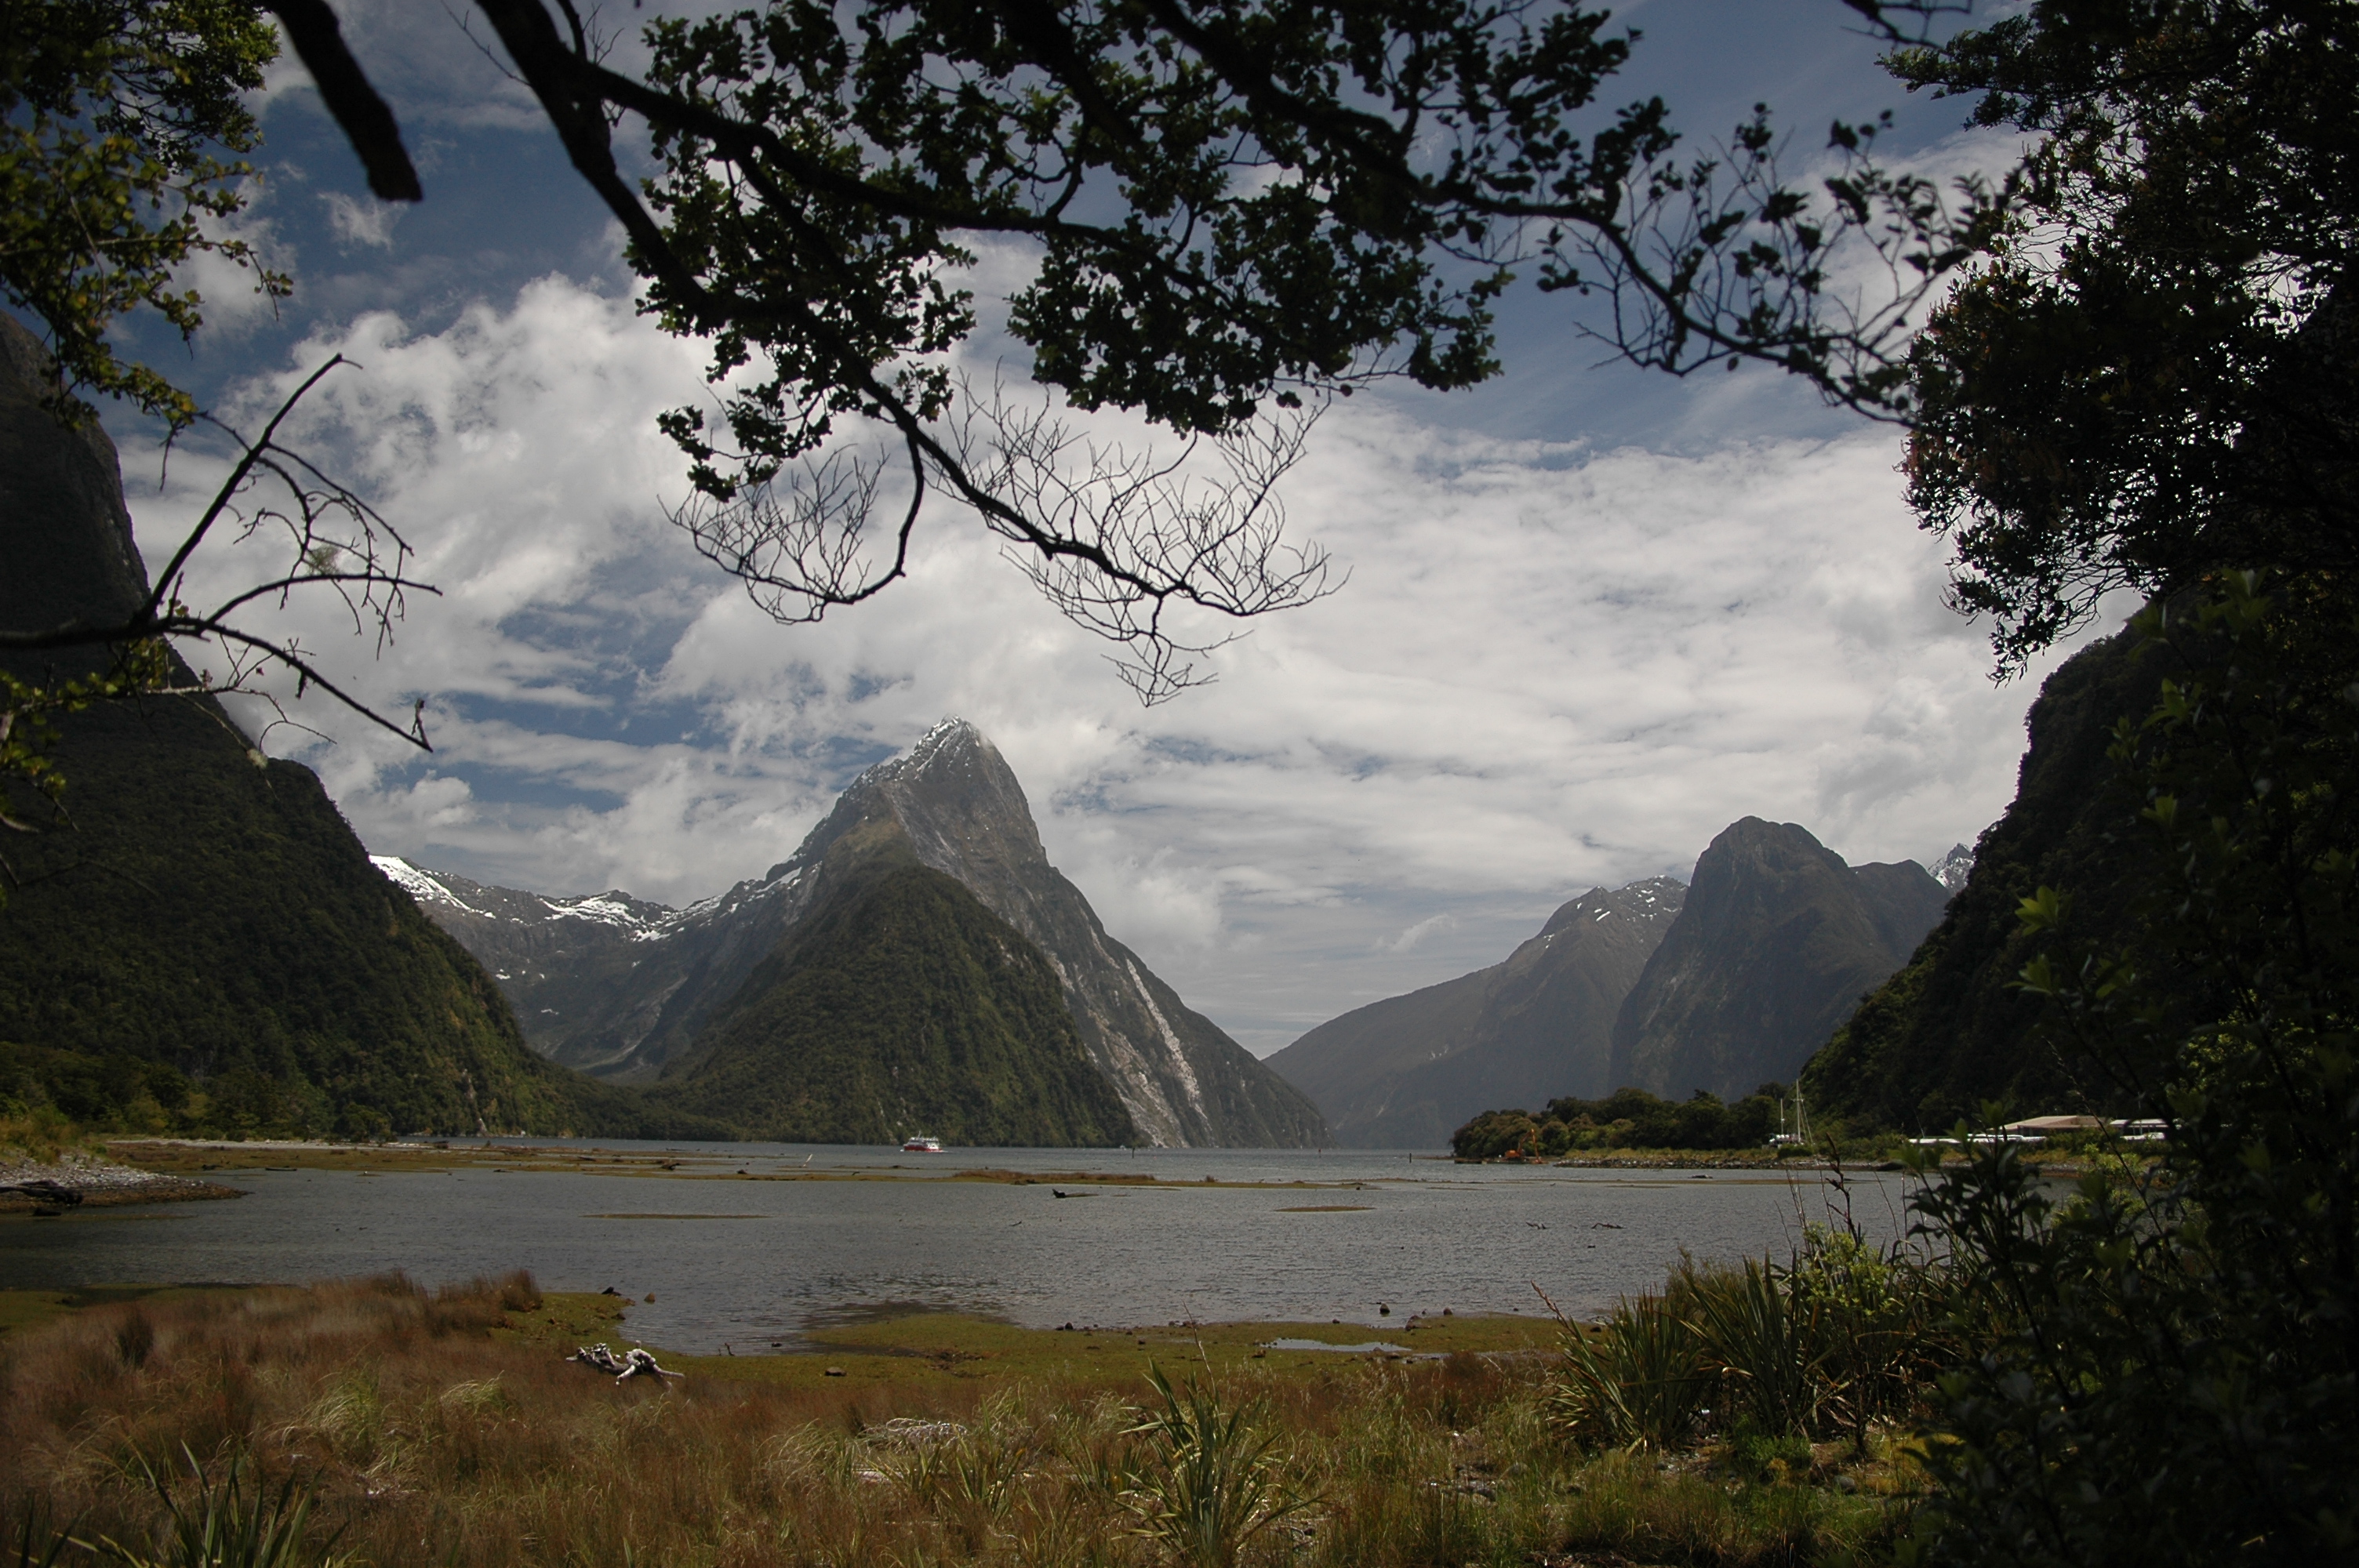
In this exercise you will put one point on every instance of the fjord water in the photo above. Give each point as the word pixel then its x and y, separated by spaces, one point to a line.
pixel 755 1265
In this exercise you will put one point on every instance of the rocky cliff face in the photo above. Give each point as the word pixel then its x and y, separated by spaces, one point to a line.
pixel 631 999
pixel 69 557
pixel 1778 941
pixel 1404 1072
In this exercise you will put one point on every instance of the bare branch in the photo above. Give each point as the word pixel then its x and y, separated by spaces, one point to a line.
pixel 334 540
pixel 1137 533
pixel 1112 537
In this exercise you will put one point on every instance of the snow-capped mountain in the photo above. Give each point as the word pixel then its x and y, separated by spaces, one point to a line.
pixel 609 983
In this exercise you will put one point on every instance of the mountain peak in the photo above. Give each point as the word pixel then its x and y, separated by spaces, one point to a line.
pixel 1775 940
pixel 948 743
pixel 1639 900
pixel 1404 1071
pixel 631 1002
pixel 951 795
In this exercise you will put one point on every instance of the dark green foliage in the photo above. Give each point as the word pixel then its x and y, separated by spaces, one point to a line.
pixel 209 950
pixel 2168 1366
pixel 2148 372
pixel 1951 1032
pixel 900 1005
pixel 1771 1357
pixel 116 113
pixel 1627 1119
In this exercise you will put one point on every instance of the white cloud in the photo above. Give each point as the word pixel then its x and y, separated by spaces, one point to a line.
pixel 357 223
pixel 1552 667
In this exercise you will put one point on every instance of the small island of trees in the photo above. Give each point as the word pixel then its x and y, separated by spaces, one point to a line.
pixel 1626 1119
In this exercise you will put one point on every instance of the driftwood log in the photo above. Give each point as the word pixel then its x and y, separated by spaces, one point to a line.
pixel 634 1362
pixel 46 1191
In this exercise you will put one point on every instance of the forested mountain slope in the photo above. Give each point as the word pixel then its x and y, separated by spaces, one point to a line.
pixel 1948 1032
pixel 899 1005
pixel 206 947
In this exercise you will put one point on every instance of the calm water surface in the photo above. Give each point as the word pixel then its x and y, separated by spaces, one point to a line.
pixel 751 1262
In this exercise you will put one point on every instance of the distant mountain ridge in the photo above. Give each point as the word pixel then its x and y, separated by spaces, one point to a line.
pixel 607 983
pixel 1724 983
pixel 627 989
pixel 1777 943
pixel 1407 1071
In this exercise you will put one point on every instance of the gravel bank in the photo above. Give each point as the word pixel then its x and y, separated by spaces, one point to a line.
pixel 29 1187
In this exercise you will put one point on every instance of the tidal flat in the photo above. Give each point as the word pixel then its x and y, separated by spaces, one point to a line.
pixel 886 1357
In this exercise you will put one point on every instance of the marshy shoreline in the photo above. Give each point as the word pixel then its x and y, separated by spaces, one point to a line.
pixel 449 1426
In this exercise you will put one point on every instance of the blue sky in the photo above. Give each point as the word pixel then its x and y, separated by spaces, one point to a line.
pixel 1593 615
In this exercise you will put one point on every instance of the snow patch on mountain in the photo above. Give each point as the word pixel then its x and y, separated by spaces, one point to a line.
pixel 1952 869
pixel 420 885
pixel 606 909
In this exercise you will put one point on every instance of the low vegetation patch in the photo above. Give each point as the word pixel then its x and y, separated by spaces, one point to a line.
pixel 393 1424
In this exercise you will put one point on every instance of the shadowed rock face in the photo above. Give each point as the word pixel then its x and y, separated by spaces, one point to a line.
pixel 1778 940
pixel 1950 1033
pixel 642 988
pixel 1404 1072
pixel 70 555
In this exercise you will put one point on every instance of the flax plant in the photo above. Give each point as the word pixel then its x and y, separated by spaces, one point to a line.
pixel 1638 1381
pixel 1209 1480
pixel 226 1525
pixel 1765 1347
